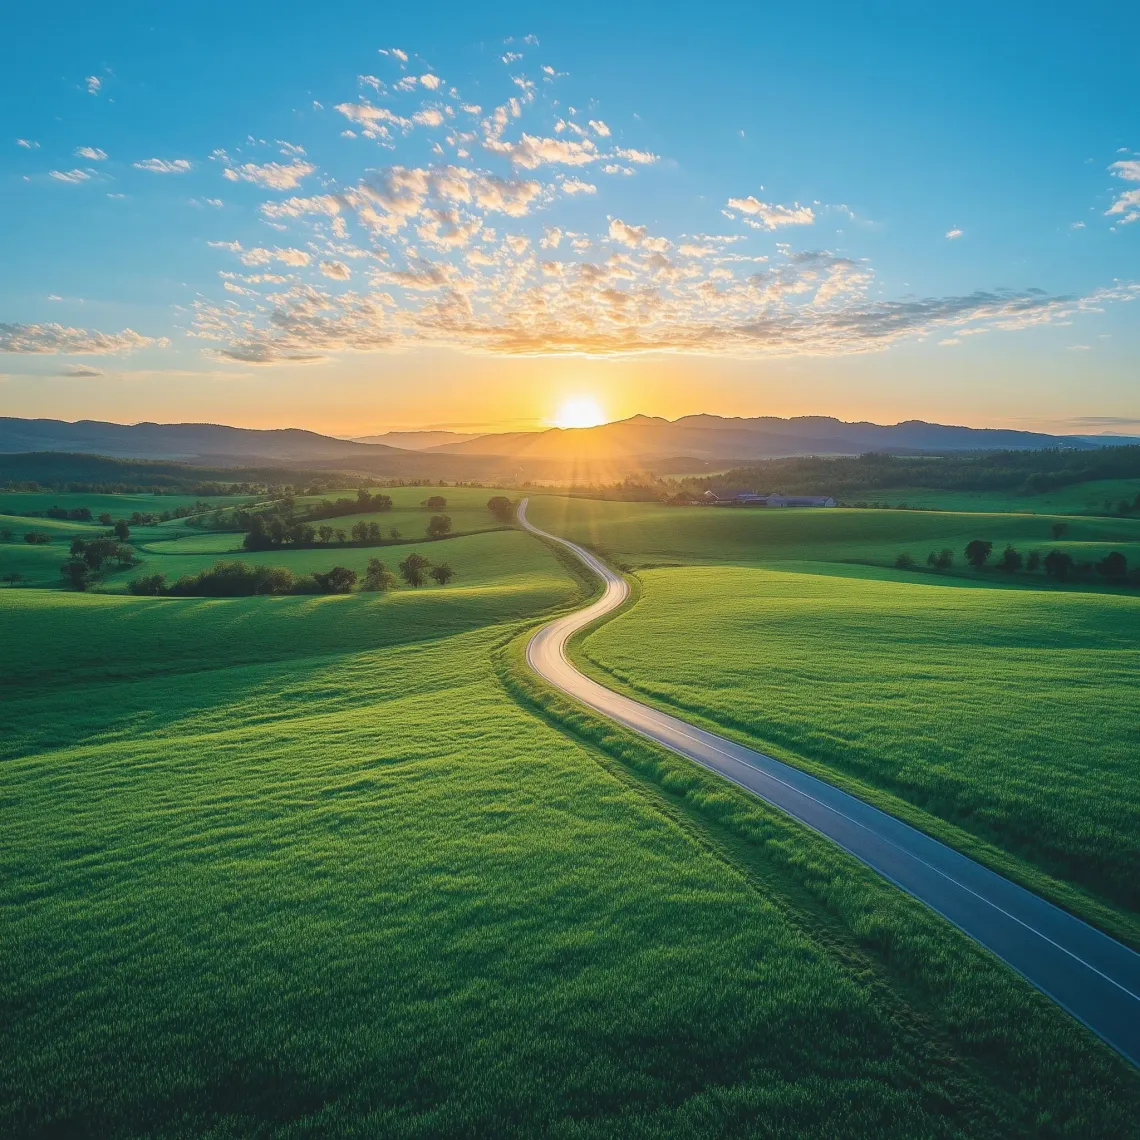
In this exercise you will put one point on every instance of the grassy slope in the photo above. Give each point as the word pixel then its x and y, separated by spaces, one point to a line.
pixel 118 506
pixel 646 533
pixel 1009 713
pixel 1081 498
pixel 363 891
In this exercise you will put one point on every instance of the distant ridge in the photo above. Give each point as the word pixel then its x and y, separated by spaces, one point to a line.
pixel 417 440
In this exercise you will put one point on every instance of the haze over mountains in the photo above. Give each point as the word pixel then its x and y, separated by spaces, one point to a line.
pixel 692 443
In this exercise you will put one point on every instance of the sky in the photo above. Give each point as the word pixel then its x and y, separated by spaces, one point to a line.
pixel 361 218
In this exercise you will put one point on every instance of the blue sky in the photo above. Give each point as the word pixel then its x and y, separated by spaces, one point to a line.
pixel 359 219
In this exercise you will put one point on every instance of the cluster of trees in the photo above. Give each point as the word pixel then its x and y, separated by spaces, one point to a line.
pixel 1056 564
pixel 239 579
pixel 90 555
pixel 32 537
pixel 363 502
pixel 75 514
pixel 273 531
pixel 434 503
pixel 502 508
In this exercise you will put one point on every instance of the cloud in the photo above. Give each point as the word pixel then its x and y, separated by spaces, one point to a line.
pixel 337 270
pixel 72 176
pixel 431 82
pixel 600 128
pixel 77 373
pixel 577 186
pixel 1127 206
pixel 532 151
pixel 261 256
pixel 55 338
pixel 163 166
pixel 551 236
pixel 28 144
pixel 272 175
pixel 643 157
pixel 92 152
pixel 771 216
pixel 93 84
pixel 952 234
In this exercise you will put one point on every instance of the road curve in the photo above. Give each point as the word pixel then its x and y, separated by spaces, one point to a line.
pixel 1094 977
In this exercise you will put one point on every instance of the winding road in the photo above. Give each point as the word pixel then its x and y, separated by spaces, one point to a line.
pixel 1094 977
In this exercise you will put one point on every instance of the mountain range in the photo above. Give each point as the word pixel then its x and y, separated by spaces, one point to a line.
pixel 691 443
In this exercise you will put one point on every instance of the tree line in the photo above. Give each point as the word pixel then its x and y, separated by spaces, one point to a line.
pixel 1057 564
pixel 239 579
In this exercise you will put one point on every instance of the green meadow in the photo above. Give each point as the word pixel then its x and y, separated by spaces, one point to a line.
pixel 338 866
pixel 1097 496
pixel 997 713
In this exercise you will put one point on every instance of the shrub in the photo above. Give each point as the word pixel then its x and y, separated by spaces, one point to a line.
pixel 438 526
pixel 943 560
pixel 37 537
pixel 1059 529
pixel 1058 565
pixel 1011 561
pixel 434 503
pixel 1033 562
pixel 235 579
pixel 75 573
pixel 338 580
pixel 904 562
pixel 442 573
pixel 1113 565
pixel 978 552
pixel 148 585
pixel 502 508
pixel 414 568
pixel 377 576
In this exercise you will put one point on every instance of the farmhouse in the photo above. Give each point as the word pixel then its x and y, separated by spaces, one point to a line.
pixel 753 499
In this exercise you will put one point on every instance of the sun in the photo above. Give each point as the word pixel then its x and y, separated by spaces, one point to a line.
pixel 580 412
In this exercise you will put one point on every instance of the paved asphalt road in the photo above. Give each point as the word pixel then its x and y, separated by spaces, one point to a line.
pixel 1091 975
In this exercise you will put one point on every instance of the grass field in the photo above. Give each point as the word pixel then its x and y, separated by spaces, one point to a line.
pixel 118 506
pixel 1098 496
pixel 294 867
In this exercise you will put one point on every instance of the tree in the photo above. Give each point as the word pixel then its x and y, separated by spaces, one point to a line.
pixel 105 519
pixel 5 535
pixel 393 534
pixel 1010 561
pixel 74 572
pixel 360 532
pixel 12 577
pixel 377 576
pixel 978 552
pixel 438 526
pixel 434 503
pixel 904 562
pixel 1033 562
pixel 326 533
pixel 944 560
pixel 122 531
pixel 414 568
pixel 149 585
pixel 381 502
pixel 339 535
pixel 1113 565
pixel 442 573
pixel 124 555
pixel 37 537
pixel 1059 529
pixel 338 580
pixel 1058 565
pixel 502 508
pixel 373 532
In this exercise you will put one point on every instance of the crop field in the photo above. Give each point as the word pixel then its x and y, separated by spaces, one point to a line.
pixel 303 866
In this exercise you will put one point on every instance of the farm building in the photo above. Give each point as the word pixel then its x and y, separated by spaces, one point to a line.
pixel 753 499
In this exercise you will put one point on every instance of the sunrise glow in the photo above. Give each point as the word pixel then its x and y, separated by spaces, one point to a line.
pixel 580 412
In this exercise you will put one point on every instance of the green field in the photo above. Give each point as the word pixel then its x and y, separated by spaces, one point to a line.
pixel 118 506
pixel 336 866
pixel 1000 715
pixel 1098 496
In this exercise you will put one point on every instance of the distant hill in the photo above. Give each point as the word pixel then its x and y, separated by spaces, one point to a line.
pixel 417 440
pixel 720 438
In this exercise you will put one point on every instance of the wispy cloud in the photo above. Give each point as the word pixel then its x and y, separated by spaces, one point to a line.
pixel 163 166
pixel 271 175
pixel 771 216
pixel 94 153
pixel 1127 205
pixel 72 176
pixel 94 84
pixel 954 233
pixel 28 144
pixel 55 338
